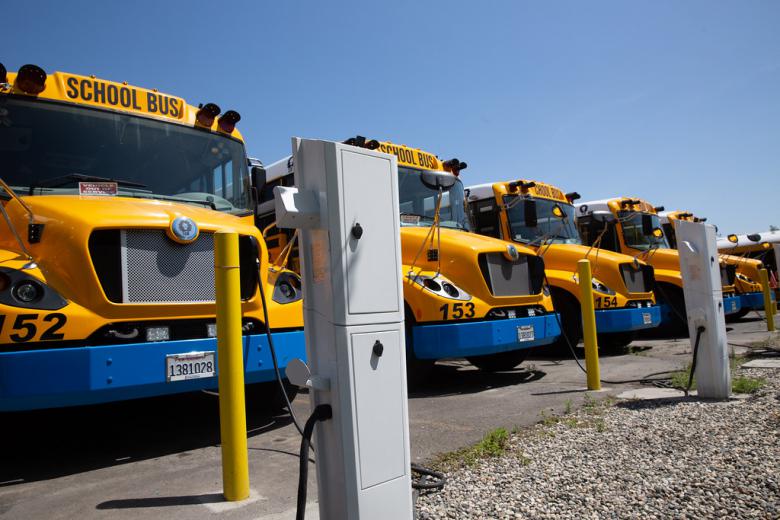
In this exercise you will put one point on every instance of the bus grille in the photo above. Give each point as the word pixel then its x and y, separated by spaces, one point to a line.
pixel 638 280
pixel 523 277
pixel 145 266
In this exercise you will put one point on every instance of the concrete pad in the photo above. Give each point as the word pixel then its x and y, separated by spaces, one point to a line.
pixel 762 363
pixel 646 394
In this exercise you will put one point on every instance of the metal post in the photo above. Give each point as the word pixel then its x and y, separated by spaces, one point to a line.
pixel 230 361
pixel 589 325
pixel 768 307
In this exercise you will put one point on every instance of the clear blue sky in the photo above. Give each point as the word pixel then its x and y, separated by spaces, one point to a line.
pixel 674 101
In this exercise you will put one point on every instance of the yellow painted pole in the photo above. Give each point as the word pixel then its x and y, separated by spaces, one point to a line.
pixel 589 325
pixel 232 411
pixel 768 306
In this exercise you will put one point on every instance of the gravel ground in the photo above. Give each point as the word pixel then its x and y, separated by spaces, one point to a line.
pixel 636 459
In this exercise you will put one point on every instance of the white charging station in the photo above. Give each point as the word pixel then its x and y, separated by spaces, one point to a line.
pixel 700 269
pixel 346 206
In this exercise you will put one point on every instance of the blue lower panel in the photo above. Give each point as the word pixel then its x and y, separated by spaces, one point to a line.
pixel 626 320
pixel 754 301
pixel 88 375
pixel 478 338
pixel 731 305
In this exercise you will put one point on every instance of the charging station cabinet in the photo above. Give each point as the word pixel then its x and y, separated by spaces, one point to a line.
pixel 345 205
pixel 700 269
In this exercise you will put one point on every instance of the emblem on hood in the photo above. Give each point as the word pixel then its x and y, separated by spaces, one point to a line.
pixel 184 230
pixel 512 253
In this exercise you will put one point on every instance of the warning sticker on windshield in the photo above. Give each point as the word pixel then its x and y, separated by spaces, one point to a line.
pixel 410 219
pixel 98 188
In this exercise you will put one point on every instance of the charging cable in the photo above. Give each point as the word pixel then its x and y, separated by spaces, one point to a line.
pixel 322 412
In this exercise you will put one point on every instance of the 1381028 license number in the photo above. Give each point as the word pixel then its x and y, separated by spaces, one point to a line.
pixel 193 365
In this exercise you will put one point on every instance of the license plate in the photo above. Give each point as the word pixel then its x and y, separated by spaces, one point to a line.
pixel 525 333
pixel 733 306
pixel 193 365
pixel 646 318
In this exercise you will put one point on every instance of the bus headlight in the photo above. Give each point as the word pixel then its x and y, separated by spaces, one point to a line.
pixel 440 286
pixel 600 287
pixel 19 289
pixel 287 288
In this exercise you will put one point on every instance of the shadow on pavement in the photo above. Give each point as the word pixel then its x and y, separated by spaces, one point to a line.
pixel 44 444
pixel 185 500
pixel 459 377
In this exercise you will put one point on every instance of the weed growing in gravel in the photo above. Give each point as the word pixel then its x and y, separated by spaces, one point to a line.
pixel 567 411
pixel 494 444
pixel 739 384
pixel 747 385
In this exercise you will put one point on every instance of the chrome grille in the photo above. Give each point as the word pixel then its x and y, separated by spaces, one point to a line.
pixel 637 280
pixel 522 277
pixel 155 269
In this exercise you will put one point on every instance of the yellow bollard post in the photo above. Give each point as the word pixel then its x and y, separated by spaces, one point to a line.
pixel 230 360
pixel 589 325
pixel 768 305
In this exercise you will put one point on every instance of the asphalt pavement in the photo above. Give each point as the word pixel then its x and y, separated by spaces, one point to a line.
pixel 160 457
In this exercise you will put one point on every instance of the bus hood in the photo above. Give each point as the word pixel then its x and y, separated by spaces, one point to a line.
pixel 564 257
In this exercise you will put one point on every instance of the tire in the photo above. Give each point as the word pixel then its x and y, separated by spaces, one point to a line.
pixel 741 313
pixel 568 308
pixel 615 342
pixel 499 362
pixel 268 396
pixel 673 295
pixel 418 371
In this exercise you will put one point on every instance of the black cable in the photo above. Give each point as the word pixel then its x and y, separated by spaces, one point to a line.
pixel 644 380
pixel 322 412
pixel 430 479
pixel 273 356
pixel 699 330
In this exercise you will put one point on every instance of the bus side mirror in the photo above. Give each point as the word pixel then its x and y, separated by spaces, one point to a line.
pixel 529 213
pixel 647 225
pixel 258 176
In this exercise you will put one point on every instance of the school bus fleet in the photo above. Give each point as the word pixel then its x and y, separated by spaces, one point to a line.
pixel 110 197
pixel 632 226
pixel 541 216
pixel 746 281
pixel 466 295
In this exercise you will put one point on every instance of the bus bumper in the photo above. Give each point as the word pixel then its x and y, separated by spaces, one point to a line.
pixel 754 301
pixel 478 338
pixel 51 378
pixel 626 320
pixel 731 305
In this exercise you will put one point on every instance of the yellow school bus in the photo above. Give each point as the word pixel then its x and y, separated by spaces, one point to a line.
pixel 466 295
pixel 763 247
pixel 110 197
pixel 746 283
pixel 541 216
pixel 632 226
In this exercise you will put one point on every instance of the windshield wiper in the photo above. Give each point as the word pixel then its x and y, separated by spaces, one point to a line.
pixel 209 203
pixel 56 182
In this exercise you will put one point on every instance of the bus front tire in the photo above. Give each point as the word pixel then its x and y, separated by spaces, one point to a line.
pixel 499 362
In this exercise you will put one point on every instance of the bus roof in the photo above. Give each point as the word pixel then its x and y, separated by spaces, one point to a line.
pixel 750 239
pixel 589 207
pixel 64 87
pixel 538 189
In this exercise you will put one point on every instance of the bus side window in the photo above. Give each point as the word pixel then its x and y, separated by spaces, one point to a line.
pixel 590 229
pixel 484 218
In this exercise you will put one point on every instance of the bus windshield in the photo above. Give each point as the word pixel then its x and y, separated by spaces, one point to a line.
pixel 549 227
pixel 47 148
pixel 418 198
pixel 633 235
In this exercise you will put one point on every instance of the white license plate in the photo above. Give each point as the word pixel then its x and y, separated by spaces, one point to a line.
pixel 525 333
pixel 193 365
pixel 646 318
pixel 733 306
